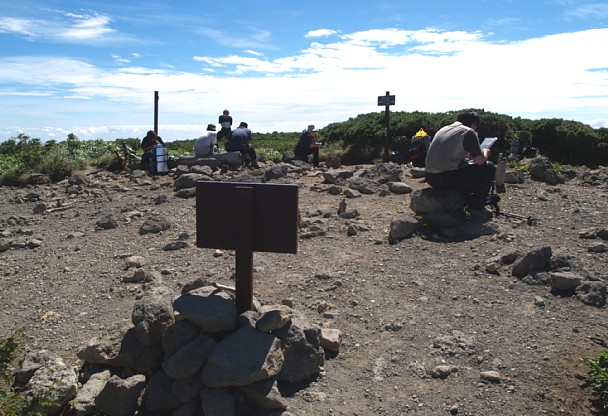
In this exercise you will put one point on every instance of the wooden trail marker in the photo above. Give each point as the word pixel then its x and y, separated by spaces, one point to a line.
pixel 246 217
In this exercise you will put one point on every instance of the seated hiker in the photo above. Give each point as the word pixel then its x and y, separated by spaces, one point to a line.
pixel 239 140
pixel 419 148
pixel 455 160
pixel 147 144
pixel 308 145
pixel 206 144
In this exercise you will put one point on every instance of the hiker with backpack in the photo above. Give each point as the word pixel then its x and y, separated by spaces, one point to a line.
pixel 147 144
pixel 455 160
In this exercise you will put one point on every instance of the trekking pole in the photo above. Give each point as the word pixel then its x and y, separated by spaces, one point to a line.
pixel 493 200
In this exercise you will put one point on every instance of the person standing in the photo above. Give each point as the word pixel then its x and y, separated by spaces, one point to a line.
pixel 206 144
pixel 308 145
pixel 147 144
pixel 225 122
pixel 455 160
pixel 240 140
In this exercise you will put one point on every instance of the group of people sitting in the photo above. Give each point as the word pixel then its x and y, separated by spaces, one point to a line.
pixel 239 140
pixel 454 160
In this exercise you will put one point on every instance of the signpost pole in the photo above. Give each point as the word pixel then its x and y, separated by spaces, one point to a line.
pixel 156 112
pixel 244 248
pixel 387 127
pixel 386 100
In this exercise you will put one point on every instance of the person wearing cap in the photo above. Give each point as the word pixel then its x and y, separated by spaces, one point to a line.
pixel 239 140
pixel 308 145
pixel 206 143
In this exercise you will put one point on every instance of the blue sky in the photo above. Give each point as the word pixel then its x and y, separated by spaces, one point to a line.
pixel 91 68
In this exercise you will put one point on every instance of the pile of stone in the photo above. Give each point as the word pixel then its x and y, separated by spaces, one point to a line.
pixel 191 355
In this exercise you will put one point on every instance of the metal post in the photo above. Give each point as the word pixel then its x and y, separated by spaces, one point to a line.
pixel 244 248
pixel 387 128
pixel 156 112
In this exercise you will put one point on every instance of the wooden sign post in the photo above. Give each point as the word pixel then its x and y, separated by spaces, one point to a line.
pixel 246 217
pixel 386 100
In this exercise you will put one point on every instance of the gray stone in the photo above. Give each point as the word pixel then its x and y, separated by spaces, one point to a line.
pixel 108 222
pixel 334 175
pixel 385 173
pixel 277 171
pixel 514 176
pixel 151 316
pixel 301 343
pixel 186 389
pixel 186 193
pixel 536 259
pixel 119 396
pixel 31 362
pixel 273 317
pixel 84 404
pixel 212 312
pixel 189 359
pixel 242 358
pixel 57 382
pixel 592 293
pixel 159 395
pixel 365 185
pixel 330 339
pixel 264 394
pixel 442 371
pixel 188 180
pixel 565 281
pixel 134 262
pixel 178 335
pixel 217 402
pixel 122 349
pixel 176 245
pixel 154 225
pixel 399 188
pixel 491 376
pixel 538 168
pixel 192 408
pixel 402 228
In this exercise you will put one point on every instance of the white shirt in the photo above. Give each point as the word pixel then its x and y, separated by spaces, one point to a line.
pixel 204 145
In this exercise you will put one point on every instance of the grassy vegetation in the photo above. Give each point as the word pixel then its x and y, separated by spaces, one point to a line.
pixel 12 401
pixel 25 160
pixel 597 377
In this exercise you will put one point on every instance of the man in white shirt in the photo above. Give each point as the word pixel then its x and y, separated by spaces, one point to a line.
pixel 207 143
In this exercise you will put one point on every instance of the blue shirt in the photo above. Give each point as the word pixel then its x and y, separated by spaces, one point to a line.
pixel 239 139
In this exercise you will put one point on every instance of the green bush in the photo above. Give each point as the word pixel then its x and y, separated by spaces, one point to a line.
pixel 598 376
pixel 60 162
pixel 13 402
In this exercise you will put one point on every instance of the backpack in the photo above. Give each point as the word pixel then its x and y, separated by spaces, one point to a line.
pixel 417 153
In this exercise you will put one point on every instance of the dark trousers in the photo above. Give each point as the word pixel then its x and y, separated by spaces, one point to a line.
pixel 303 155
pixel 247 150
pixel 472 181
pixel 146 160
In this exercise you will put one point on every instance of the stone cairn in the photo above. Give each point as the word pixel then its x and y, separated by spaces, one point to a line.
pixel 192 355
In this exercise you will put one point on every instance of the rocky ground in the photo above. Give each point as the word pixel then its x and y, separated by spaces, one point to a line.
pixel 428 328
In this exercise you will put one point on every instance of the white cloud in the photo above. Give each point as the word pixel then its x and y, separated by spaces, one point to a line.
pixel 427 70
pixel 320 33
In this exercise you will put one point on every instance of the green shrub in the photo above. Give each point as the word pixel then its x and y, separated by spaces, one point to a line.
pixel 17 176
pixel 598 376
pixel 59 163
pixel 518 166
pixel 13 402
